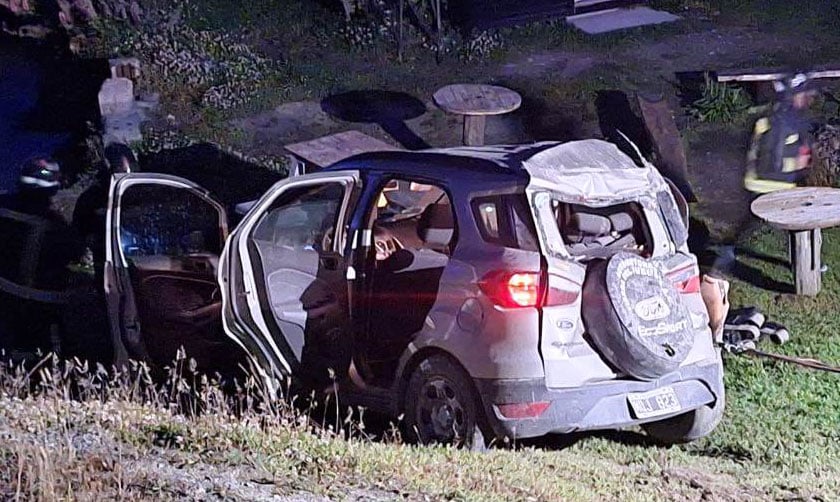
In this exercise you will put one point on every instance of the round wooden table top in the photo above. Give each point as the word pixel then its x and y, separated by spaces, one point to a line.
pixel 477 99
pixel 799 208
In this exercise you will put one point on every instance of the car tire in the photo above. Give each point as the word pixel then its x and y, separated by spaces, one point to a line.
pixel 645 344
pixel 442 407
pixel 689 426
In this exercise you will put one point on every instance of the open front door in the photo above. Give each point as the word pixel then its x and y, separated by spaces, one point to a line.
pixel 164 235
pixel 286 279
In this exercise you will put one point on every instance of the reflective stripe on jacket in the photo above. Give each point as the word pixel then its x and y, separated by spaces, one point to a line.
pixel 757 185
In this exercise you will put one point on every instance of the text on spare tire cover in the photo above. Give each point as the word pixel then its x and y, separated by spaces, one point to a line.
pixel 640 284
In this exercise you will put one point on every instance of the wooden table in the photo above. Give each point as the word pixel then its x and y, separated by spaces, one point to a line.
pixel 802 212
pixel 309 155
pixel 475 102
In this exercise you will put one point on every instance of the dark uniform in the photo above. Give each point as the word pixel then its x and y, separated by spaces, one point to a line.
pixel 778 158
pixel 778 144
pixel 27 325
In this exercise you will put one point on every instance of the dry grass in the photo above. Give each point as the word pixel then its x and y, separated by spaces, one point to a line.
pixel 68 432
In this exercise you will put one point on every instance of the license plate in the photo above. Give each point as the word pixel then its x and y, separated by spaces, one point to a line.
pixel 654 403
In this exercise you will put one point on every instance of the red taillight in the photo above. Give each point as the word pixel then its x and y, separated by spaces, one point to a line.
pixel 523 410
pixel 690 285
pixel 513 289
pixel 524 289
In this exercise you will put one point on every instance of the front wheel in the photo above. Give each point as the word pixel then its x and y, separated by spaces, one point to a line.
pixel 441 405
pixel 689 426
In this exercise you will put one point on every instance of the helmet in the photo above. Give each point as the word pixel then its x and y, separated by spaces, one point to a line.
pixel 793 84
pixel 40 173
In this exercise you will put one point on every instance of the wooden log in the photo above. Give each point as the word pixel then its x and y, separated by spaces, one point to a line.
pixel 667 142
pixel 806 246
pixel 474 130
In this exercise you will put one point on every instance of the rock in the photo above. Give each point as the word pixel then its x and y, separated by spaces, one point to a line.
pixel 125 68
pixel 116 96
pixel 123 128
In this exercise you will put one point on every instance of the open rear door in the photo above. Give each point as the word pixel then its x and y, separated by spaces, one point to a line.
pixel 164 236
pixel 286 281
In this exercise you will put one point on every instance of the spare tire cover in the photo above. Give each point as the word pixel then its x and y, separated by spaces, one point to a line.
pixel 635 317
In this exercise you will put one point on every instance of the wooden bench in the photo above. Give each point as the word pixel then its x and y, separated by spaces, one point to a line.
pixel 309 156
pixel 802 212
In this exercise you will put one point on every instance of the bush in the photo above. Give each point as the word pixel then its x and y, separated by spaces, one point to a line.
pixel 720 103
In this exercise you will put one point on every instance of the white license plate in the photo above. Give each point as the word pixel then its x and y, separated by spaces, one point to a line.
pixel 653 403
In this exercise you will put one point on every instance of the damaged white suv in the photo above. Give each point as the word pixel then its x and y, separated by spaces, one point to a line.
pixel 480 293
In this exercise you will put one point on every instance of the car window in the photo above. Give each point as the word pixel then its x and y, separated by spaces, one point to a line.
pixel 160 220
pixel 675 214
pixel 505 220
pixel 303 218
pixel 412 215
pixel 600 232
pixel 488 217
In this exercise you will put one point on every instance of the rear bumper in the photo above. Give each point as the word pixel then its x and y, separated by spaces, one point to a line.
pixel 602 405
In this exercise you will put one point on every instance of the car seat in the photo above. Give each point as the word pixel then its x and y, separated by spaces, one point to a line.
pixel 436 227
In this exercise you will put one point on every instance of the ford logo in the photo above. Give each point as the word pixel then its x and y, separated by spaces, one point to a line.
pixel 565 324
pixel 652 309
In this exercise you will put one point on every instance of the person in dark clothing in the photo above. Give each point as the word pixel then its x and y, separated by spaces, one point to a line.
pixel 779 157
pixel 31 324
pixel 90 212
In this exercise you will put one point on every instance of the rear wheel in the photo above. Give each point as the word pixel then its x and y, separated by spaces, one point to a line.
pixel 441 405
pixel 689 426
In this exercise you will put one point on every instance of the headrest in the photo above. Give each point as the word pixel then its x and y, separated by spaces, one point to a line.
pixel 437 225
pixel 591 224
pixel 621 222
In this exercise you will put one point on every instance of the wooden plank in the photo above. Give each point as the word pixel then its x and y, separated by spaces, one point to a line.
pixel 799 208
pixel 330 149
pixel 667 142
pixel 755 75
pixel 806 246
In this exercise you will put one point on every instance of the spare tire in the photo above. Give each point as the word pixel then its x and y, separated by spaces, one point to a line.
pixel 635 317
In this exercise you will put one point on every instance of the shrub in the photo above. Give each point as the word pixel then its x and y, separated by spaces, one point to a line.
pixel 720 103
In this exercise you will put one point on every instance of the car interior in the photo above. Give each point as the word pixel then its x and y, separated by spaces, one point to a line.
pixel 414 233
pixel 171 241
pixel 591 232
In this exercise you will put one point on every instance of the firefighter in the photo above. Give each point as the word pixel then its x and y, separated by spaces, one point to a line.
pixel 34 324
pixel 779 157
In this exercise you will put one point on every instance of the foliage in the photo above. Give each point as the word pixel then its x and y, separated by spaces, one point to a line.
pixel 720 103
pixel 482 46
pixel 826 156
pixel 217 67
pixel 364 31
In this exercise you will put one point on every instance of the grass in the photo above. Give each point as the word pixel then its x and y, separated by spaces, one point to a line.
pixel 120 437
